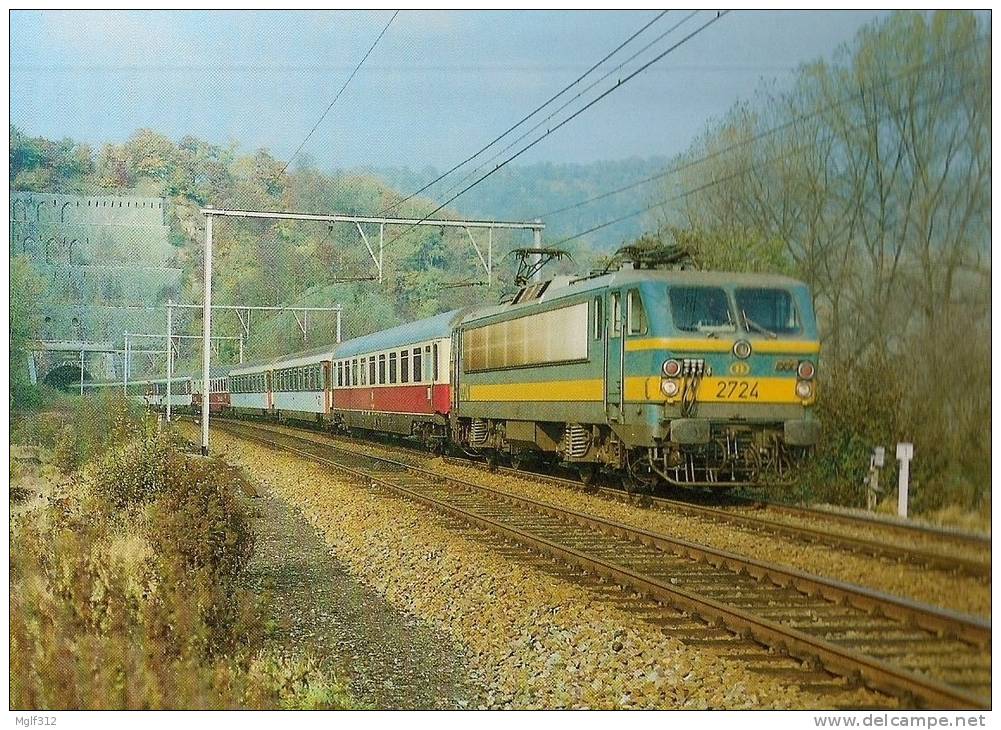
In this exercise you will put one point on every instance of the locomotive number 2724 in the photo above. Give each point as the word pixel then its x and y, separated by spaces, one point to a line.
pixel 737 390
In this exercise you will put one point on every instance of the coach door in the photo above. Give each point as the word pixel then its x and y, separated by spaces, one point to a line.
pixel 327 385
pixel 613 342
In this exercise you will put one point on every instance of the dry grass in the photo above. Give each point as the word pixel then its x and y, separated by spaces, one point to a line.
pixel 126 592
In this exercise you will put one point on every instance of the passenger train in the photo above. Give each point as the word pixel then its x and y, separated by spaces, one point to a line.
pixel 652 376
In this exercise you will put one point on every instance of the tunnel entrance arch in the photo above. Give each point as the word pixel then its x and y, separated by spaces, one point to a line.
pixel 67 376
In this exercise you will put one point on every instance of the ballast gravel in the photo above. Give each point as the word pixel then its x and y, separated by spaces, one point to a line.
pixel 532 639
pixel 956 592
pixel 389 658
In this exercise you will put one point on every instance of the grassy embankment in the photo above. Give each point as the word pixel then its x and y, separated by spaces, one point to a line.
pixel 127 576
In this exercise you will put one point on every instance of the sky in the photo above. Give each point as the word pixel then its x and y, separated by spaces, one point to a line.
pixel 439 84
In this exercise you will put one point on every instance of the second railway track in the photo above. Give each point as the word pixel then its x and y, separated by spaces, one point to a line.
pixel 930 657
pixel 752 520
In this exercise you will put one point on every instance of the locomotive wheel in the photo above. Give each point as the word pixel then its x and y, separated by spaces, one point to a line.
pixel 635 485
pixel 588 474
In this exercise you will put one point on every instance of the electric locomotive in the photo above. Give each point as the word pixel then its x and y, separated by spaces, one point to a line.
pixel 686 377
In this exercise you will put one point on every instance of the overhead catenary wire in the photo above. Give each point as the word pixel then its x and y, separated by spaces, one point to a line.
pixel 528 116
pixel 761 135
pixel 575 98
pixel 754 167
pixel 339 92
pixel 619 84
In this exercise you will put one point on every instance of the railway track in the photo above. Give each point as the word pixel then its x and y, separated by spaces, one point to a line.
pixel 927 656
pixel 809 534
pixel 921 545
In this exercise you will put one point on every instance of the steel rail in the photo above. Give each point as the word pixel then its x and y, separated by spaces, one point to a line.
pixel 875 672
pixel 875 548
pixel 908 529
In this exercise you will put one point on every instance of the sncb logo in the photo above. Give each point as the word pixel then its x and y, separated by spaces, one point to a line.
pixel 739 368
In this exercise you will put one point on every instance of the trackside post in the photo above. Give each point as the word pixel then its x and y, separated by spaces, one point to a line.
pixel 206 333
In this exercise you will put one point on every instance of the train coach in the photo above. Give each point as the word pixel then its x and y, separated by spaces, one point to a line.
pixel 219 401
pixel 151 391
pixel 395 381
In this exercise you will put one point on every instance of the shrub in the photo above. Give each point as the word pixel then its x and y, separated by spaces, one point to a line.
pixel 133 598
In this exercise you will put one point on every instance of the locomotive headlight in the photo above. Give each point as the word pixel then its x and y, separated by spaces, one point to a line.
pixel 804 389
pixel 742 349
pixel 806 370
pixel 671 368
pixel 669 388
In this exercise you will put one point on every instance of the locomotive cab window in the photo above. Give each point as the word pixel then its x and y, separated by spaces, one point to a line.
pixel 701 309
pixel 635 314
pixel 769 312
pixel 599 319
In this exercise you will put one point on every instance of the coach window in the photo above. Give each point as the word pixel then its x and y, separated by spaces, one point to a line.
pixel 405 366
pixel 635 314
pixel 371 370
pixel 434 363
pixel 382 369
pixel 392 368
pixel 354 371
pixel 427 363
pixel 616 314
pixel 417 364
pixel 363 368
pixel 599 320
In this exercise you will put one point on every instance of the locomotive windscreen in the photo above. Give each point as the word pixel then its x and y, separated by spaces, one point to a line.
pixel 768 309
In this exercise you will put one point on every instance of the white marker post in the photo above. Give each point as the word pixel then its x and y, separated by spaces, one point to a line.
pixel 905 452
